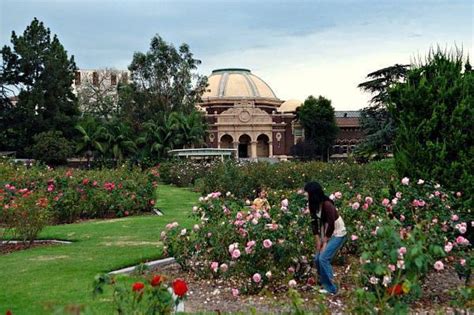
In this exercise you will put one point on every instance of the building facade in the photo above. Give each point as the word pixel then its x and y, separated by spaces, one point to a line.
pixel 244 113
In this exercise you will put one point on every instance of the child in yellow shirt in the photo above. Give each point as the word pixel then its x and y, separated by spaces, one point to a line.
pixel 261 202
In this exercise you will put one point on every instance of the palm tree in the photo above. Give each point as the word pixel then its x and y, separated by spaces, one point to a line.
pixel 119 141
pixel 157 138
pixel 190 129
pixel 90 134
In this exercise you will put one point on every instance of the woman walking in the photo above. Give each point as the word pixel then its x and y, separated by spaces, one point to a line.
pixel 329 231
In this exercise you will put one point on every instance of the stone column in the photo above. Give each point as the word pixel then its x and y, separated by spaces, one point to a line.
pixel 253 146
pixel 236 146
pixel 270 149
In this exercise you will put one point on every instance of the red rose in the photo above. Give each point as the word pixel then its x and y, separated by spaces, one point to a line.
pixel 180 287
pixel 126 213
pixel 311 281
pixel 85 181
pixel 156 280
pixel 8 312
pixel 138 286
pixel 395 290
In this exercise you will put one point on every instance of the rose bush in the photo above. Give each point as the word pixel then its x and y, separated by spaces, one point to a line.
pixel 151 294
pixel 400 232
pixel 79 194
pixel 242 178
pixel 24 213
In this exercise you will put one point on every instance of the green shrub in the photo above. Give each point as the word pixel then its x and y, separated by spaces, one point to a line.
pixel 83 194
pixel 51 148
pixel 434 111
pixel 24 212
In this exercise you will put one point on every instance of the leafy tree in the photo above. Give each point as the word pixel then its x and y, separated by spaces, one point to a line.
pixel 317 118
pixel 434 112
pixel 38 68
pixel 51 148
pixel 100 99
pixel 376 120
pixel 163 80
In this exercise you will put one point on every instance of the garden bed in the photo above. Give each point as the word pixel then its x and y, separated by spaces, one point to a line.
pixel 14 246
pixel 215 295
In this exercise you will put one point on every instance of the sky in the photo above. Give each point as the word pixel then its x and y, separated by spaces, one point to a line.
pixel 299 48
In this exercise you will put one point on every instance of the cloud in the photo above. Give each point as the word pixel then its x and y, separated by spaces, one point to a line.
pixel 298 47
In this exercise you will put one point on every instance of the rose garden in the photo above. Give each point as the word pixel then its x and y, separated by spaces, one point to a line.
pixel 130 230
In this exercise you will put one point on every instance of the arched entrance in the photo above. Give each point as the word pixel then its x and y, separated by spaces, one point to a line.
pixel 226 142
pixel 263 146
pixel 244 146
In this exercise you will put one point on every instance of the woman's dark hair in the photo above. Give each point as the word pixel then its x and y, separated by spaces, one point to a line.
pixel 315 196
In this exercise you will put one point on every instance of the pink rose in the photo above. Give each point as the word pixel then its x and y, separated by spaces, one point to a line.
pixel 462 241
pixel 401 264
pixel 394 201
pixel 214 266
pixel 458 194
pixel 338 195
pixel 402 251
pixel 355 206
pixel 291 270
pixel 267 243
pixel 354 237
pixel 405 180
pixel 235 254
pixel 292 283
pixel 439 265
pixel 454 217
pixel 402 217
pixel 448 247
pixel 365 206
pixel 251 243
pixel 284 203
pixel 398 195
pixel 392 268
pixel 232 247
pixel 385 202
pixel 256 278
pixel 235 292
pixel 224 267
pixel 462 262
pixel 369 200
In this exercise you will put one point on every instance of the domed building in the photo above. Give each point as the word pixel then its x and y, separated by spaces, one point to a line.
pixel 244 113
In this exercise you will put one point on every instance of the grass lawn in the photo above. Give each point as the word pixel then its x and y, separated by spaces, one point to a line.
pixel 34 279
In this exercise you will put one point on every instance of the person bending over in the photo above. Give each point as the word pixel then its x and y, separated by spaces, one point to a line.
pixel 329 231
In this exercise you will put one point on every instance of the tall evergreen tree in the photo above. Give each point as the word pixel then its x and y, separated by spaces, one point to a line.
pixel 38 68
pixel 376 121
pixel 434 112
pixel 318 120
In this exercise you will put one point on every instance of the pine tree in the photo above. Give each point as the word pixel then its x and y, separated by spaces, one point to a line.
pixel 434 112
pixel 38 68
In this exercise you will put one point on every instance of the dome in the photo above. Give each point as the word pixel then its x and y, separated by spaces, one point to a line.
pixel 237 83
pixel 289 106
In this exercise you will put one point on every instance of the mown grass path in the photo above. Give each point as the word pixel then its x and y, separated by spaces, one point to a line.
pixel 34 279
